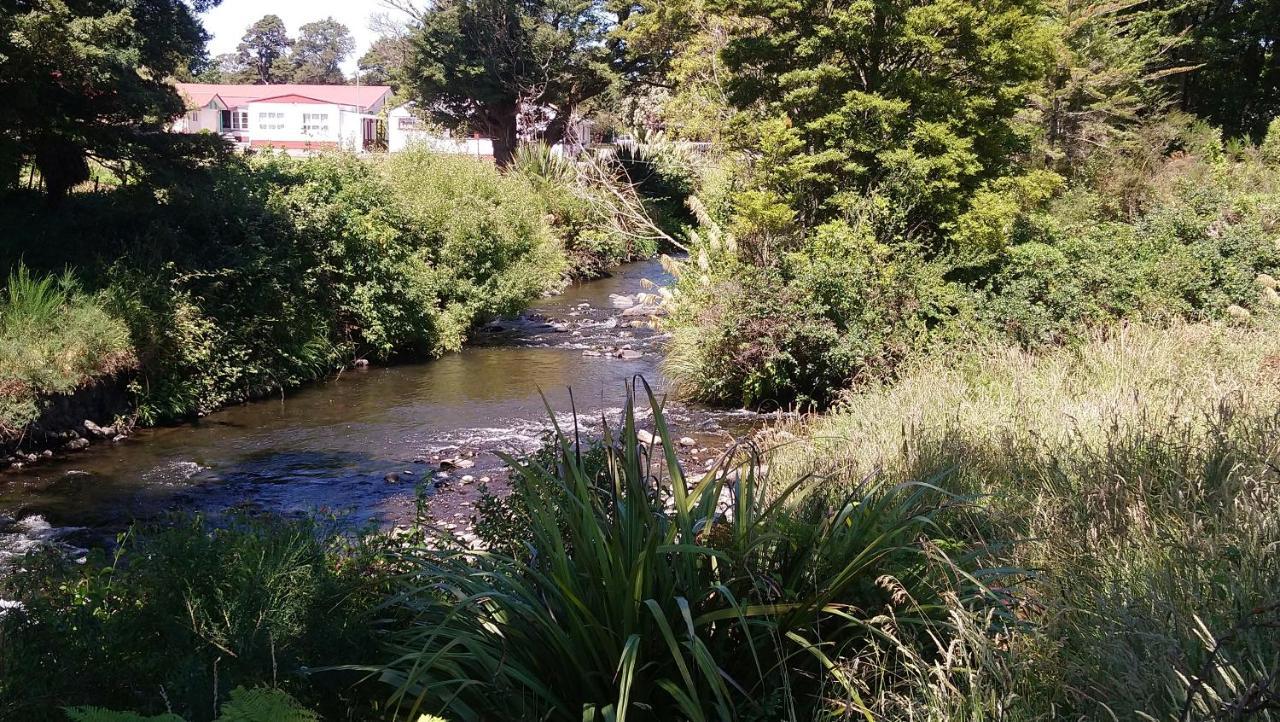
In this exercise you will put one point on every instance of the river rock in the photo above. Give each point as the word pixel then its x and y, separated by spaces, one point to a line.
pixel 77 445
pixel 620 301
pixel 591 352
pixel 360 363
pixel 644 310
pixel 645 437
pixel 687 441
pixel 467 479
pixel 102 432
pixel 629 354
pixel 392 478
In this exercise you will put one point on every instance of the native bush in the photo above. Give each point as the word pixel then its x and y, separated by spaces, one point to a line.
pixel 177 616
pixel 262 274
pixel 843 309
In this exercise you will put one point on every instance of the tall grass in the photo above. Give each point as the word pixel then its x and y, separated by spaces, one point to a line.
pixel 53 337
pixel 646 594
pixel 1137 475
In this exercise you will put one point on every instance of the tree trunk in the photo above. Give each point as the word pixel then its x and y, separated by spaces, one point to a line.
pixel 556 128
pixel 503 131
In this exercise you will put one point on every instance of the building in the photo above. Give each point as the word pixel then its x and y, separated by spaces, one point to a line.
pixel 405 128
pixel 293 118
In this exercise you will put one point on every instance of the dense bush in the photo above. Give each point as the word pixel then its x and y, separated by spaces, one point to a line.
pixel 263 274
pixel 768 314
pixel 847 309
pixel 176 617
pixel 592 207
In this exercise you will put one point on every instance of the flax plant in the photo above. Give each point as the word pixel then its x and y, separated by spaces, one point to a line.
pixel 646 593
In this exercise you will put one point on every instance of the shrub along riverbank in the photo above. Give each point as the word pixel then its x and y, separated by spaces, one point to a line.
pixel 1087 534
pixel 255 276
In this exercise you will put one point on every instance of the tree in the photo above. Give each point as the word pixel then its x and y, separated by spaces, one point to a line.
pixel 1236 48
pixel 263 46
pixel 88 80
pixel 384 62
pixel 911 99
pixel 319 52
pixel 482 64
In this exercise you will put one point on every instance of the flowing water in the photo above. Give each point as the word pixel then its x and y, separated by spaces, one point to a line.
pixel 355 445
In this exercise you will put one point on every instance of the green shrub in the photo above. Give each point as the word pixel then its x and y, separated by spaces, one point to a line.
pixel 262 274
pixel 719 597
pixel 178 616
pixel 53 338
pixel 259 704
pixel 844 309
pixel 593 209
pixel 1198 248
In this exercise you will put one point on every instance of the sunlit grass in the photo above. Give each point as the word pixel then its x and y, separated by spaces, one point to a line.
pixel 53 338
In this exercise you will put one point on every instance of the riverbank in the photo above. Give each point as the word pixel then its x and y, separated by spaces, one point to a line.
pixel 258 276
pixel 1082 533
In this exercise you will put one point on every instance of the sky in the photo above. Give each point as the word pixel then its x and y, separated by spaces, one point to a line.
pixel 228 21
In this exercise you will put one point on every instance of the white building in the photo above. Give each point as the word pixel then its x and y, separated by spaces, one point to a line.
pixel 293 118
pixel 405 128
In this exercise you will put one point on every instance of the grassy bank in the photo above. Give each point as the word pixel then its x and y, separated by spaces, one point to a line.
pixel 54 338
pixel 1134 481
pixel 257 275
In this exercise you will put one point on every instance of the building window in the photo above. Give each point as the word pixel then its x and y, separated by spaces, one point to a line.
pixel 270 121
pixel 194 116
pixel 235 120
pixel 408 122
pixel 315 123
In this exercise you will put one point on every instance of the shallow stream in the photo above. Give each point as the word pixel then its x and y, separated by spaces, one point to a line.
pixel 360 444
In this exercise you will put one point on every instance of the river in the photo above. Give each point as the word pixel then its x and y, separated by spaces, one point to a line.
pixel 362 443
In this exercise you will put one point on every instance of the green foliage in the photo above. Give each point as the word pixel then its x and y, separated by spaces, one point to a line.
pixel 85 80
pixel 260 704
pixel 98 714
pixel 319 51
pixel 177 616
pixel 1199 248
pixel 260 276
pixel 642 596
pixel 915 99
pixel 847 309
pixel 53 338
pixel 592 206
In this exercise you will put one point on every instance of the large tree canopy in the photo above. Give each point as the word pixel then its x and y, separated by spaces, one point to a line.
pixel 319 52
pixel 90 80
pixel 263 49
pixel 481 64
pixel 913 97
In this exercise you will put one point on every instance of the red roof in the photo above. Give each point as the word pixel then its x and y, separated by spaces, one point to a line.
pixel 364 96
